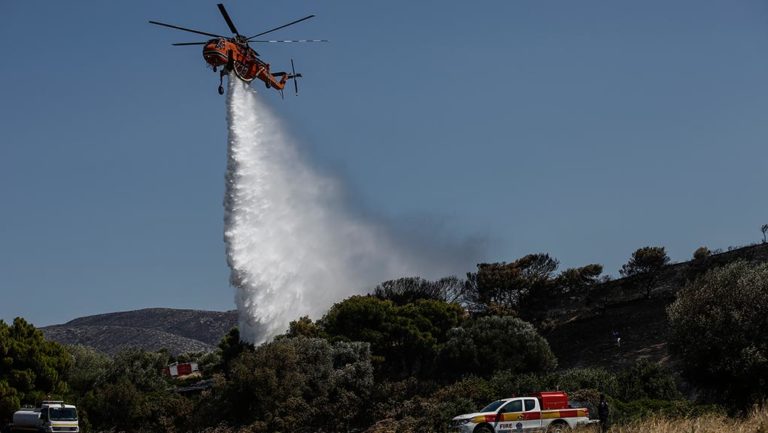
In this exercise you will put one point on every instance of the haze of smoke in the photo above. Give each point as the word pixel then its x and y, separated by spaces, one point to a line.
pixel 293 247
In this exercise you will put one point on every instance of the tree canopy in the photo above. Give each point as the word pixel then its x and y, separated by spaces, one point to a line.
pixel 494 343
pixel 404 340
pixel 525 286
pixel 645 260
pixel 406 290
pixel 297 384
pixel 718 329
pixel 31 367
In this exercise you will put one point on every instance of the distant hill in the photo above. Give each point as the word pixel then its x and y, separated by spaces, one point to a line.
pixel 179 331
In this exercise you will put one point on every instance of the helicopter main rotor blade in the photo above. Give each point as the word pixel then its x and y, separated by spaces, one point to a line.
pixel 227 19
pixel 295 40
pixel 186 29
pixel 282 27
pixel 181 44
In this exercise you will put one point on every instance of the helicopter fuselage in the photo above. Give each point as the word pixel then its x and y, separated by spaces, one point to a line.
pixel 231 55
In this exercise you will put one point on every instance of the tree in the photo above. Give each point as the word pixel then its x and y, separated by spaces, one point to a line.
pixel 574 280
pixel 496 343
pixel 645 260
pixel 134 396
pixel 89 368
pixel 764 229
pixel 405 290
pixel 143 369
pixel 298 384
pixel 701 253
pixel 645 263
pixel 525 287
pixel 31 367
pixel 718 330
pixel 513 288
pixel 304 327
pixel 404 339
pixel 231 346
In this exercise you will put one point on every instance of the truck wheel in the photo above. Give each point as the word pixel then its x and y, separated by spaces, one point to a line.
pixel 558 427
pixel 483 429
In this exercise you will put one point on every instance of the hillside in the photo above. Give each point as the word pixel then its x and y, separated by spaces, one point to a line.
pixel 580 330
pixel 178 331
pixel 583 326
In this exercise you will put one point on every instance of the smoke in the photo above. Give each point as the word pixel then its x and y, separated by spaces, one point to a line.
pixel 294 246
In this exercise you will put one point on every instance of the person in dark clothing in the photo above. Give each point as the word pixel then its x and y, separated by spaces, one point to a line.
pixel 602 413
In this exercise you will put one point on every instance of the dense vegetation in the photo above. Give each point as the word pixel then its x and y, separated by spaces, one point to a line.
pixel 412 355
pixel 719 324
pixel 30 366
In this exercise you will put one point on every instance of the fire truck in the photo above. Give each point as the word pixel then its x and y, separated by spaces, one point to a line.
pixel 549 412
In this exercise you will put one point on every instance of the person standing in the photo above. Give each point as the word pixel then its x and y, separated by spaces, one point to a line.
pixel 602 413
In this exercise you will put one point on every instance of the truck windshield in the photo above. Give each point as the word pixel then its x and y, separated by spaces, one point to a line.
pixel 493 406
pixel 63 414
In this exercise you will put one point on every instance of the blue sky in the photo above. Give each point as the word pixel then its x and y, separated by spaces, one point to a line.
pixel 584 129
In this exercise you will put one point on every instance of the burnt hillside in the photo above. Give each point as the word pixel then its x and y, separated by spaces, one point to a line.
pixel 581 331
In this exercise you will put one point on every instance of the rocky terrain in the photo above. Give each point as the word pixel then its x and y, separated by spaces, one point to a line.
pixel 179 331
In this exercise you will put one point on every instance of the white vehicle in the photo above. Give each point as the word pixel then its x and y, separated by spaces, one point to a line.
pixel 51 416
pixel 544 412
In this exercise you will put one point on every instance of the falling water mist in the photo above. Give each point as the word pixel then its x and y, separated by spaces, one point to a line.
pixel 293 246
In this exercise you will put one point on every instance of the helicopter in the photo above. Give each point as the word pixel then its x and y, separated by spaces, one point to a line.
pixel 235 55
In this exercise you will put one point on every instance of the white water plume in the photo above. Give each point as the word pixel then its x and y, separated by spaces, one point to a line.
pixel 293 246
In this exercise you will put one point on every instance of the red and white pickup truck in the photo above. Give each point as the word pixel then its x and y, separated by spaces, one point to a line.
pixel 543 412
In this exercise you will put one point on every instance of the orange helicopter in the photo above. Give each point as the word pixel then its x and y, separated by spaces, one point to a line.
pixel 234 54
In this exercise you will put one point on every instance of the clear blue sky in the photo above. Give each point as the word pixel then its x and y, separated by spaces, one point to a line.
pixel 583 128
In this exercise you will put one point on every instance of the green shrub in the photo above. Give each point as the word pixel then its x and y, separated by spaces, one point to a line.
pixel 291 382
pixel 718 330
pixel 404 340
pixel 646 380
pixel 495 343
pixel 586 378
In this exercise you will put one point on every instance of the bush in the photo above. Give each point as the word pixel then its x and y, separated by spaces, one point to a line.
pixel 294 382
pixel 718 329
pixel 495 343
pixel 586 378
pixel 90 367
pixel 130 393
pixel 646 380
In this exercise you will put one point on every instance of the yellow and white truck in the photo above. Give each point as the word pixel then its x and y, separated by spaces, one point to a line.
pixel 51 416
pixel 549 412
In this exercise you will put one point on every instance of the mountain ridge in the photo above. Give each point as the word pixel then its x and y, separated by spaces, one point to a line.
pixel 178 330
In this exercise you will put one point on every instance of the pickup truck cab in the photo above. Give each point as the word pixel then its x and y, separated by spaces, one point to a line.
pixel 544 412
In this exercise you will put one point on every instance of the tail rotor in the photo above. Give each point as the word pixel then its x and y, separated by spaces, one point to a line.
pixel 294 76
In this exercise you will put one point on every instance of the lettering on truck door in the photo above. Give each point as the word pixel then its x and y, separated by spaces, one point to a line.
pixel 510 417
